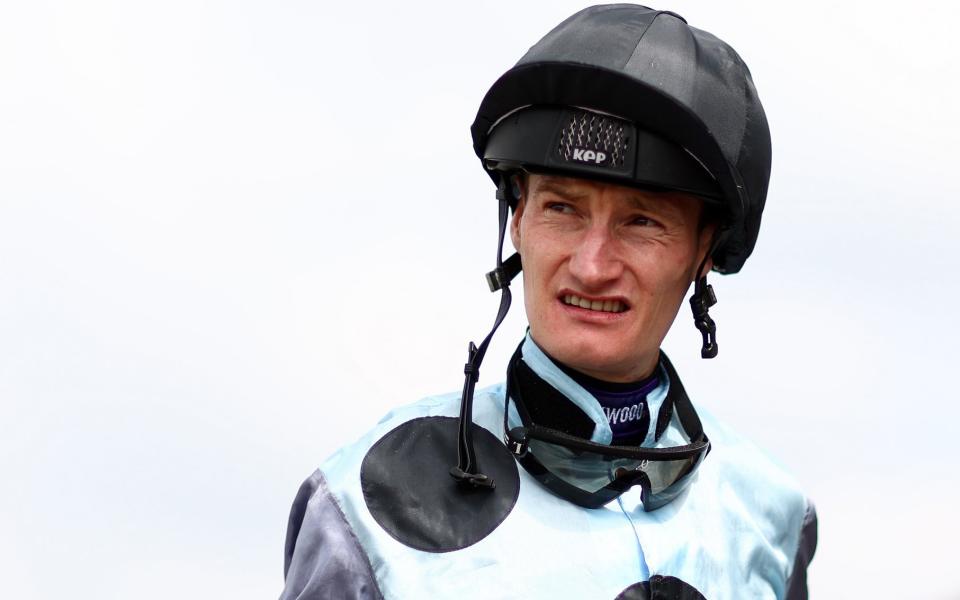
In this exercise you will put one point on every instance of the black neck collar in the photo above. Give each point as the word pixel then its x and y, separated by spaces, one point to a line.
pixel 540 403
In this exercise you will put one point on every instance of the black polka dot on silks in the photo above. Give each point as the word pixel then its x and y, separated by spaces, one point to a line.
pixel 661 588
pixel 406 483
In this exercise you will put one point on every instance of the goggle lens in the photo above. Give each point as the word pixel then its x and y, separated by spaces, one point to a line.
pixel 593 478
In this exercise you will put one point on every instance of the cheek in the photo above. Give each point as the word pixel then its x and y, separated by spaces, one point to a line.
pixel 539 251
pixel 662 277
pixel 538 266
pixel 541 264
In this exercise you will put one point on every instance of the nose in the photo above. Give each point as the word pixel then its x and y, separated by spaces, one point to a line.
pixel 595 262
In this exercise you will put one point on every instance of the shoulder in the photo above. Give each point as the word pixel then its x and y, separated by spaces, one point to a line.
pixel 322 555
pixel 330 531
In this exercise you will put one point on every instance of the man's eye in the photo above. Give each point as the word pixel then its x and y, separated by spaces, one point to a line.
pixel 560 207
pixel 643 221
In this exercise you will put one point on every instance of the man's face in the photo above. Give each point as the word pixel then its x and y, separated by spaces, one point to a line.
pixel 606 268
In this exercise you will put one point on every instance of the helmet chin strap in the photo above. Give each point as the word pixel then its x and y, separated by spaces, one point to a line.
pixel 467 470
pixel 700 302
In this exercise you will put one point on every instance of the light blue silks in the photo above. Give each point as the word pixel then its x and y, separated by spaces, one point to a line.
pixel 733 534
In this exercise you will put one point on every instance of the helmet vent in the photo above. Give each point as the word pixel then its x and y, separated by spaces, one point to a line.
pixel 591 138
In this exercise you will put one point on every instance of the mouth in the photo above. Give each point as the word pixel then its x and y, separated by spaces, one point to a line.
pixel 598 305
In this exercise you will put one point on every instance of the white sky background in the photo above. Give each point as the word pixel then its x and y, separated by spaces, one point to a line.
pixel 233 234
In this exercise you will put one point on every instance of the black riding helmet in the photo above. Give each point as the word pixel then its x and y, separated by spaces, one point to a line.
pixel 636 96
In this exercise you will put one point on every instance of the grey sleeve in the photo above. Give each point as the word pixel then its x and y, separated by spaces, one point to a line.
pixel 797 584
pixel 322 557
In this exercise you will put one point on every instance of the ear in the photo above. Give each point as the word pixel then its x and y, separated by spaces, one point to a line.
pixel 706 238
pixel 707 267
pixel 515 222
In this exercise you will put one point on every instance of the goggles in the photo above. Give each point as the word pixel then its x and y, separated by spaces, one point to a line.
pixel 591 474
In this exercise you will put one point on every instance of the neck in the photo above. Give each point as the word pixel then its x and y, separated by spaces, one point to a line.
pixel 591 382
pixel 639 373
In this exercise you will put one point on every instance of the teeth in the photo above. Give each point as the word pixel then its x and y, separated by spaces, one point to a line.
pixel 614 306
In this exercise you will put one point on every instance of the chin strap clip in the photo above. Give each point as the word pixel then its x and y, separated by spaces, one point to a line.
pixel 700 302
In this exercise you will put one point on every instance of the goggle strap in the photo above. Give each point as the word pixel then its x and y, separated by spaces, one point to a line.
pixel 664 415
pixel 680 402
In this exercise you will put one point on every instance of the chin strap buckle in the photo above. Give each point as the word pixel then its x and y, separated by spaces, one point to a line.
pixel 501 277
pixel 700 302
pixel 471 370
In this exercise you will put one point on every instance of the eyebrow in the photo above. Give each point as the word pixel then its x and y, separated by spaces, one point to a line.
pixel 639 202
pixel 561 190
pixel 661 206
